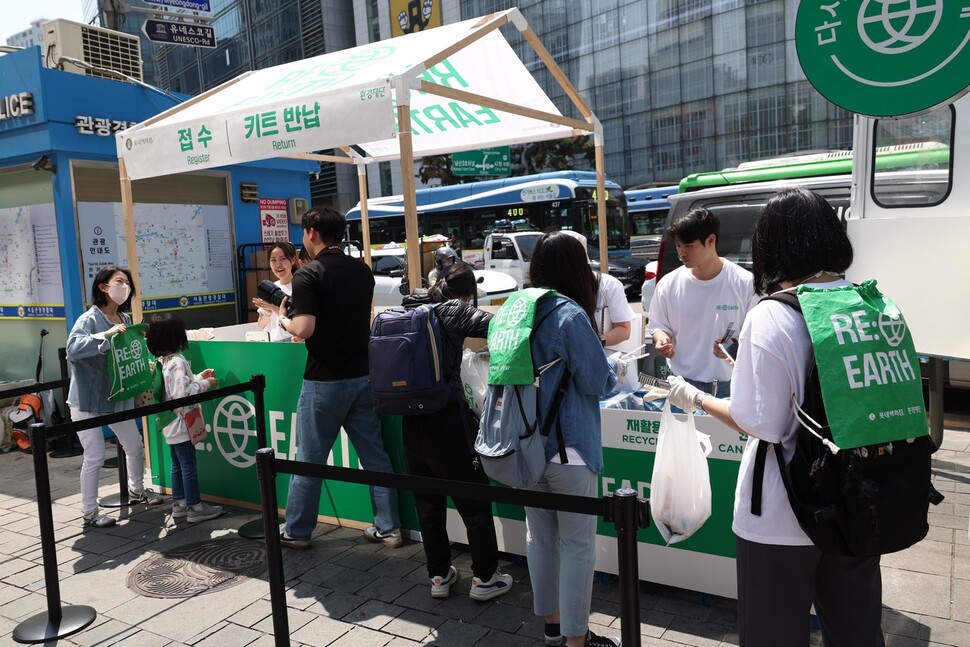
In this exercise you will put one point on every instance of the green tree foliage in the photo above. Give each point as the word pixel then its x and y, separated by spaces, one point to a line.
pixel 572 153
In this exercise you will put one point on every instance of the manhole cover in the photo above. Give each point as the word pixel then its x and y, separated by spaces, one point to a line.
pixel 198 568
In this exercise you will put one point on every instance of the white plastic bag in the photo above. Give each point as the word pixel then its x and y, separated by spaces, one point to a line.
pixel 680 488
pixel 474 379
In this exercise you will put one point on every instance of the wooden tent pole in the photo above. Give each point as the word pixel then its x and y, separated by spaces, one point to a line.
pixel 131 244
pixel 407 184
pixel 364 218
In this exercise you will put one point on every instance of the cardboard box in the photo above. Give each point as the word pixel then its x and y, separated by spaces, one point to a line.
pixel 259 260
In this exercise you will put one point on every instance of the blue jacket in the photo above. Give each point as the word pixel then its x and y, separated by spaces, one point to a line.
pixel 568 333
pixel 87 351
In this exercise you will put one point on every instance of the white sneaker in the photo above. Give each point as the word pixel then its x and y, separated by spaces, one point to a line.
pixel 495 586
pixel 202 511
pixel 390 539
pixel 441 586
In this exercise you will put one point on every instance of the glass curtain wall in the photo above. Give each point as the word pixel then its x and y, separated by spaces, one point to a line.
pixel 681 86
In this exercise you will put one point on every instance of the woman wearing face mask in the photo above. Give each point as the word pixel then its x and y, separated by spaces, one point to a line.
pixel 283 261
pixel 87 345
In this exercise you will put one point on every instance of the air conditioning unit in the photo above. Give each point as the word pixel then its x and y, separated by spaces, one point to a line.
pixel 98 47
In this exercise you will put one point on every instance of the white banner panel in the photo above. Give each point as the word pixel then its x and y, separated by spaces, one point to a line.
pixel 344 98
pixel 246 134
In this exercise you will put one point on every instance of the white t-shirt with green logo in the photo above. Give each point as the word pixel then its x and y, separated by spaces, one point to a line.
pixel 695 313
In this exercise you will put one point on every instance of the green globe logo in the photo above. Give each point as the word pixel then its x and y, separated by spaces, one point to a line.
pixel 885 58
pixel 233 425
pixel 897 26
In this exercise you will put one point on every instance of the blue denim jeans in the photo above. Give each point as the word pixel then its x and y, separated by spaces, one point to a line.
pixel 561 550
pixel 185 477
pixel 323 408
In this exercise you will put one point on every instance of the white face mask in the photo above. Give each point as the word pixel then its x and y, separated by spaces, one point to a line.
pixel 119 292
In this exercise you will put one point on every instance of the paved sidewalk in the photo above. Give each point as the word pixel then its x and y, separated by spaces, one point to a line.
pixel 348 592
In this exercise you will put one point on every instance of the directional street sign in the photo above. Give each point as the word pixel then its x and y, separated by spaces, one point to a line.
pixel 487 161
pixel 190 5
pixel 179 33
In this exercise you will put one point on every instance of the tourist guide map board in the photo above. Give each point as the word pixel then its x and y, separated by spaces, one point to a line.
pixel 184 251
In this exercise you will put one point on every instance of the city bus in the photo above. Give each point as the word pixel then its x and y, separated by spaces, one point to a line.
pixel 924 156
pixel 648 212
pixel 466 213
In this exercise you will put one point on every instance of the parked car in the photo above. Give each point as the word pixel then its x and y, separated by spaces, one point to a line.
pixel 390 280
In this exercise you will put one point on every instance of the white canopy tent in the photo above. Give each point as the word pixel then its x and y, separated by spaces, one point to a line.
pixel 452 88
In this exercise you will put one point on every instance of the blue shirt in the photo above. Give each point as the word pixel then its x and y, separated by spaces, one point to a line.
pixel 568 333
pixel 87 351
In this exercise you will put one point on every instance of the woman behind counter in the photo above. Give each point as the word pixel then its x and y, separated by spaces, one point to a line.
pixel 283 261
pixel 87 348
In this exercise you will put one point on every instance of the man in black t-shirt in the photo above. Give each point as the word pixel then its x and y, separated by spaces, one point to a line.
pixel 331 311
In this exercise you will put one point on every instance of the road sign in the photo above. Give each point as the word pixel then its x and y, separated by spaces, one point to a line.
pixel 179 33
pixel 487 161
pixel 885 58
pixel 190 5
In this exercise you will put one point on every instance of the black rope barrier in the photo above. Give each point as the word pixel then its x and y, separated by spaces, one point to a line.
pixel 36 387
pixel 122 499
pixel 58 621
pixel 628 513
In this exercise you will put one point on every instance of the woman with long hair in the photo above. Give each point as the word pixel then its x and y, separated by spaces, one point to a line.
pixel 560 545
pixel 283 261
pixel 87 348
pixel 798 240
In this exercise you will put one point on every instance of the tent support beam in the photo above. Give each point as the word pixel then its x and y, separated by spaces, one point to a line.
pixel 487 25
pixel 556 71
pixel 316 157
pixel 504 106
pixel 364 218
pixel 131 245
pixel 413 240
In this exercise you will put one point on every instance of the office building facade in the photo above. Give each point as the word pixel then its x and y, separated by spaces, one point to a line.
pixel 680 86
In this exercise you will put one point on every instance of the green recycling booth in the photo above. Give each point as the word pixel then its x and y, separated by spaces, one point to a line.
pixel 227 468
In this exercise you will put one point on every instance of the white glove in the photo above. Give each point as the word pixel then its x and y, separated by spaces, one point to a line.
pixel 682 393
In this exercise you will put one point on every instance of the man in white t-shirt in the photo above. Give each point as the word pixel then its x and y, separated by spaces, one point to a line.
pixel 701 305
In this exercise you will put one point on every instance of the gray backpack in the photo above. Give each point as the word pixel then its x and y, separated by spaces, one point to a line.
pixel 509 444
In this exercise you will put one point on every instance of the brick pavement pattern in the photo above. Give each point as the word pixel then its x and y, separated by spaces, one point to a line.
pixel 345 591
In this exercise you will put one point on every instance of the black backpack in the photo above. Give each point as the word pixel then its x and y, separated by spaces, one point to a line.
pixel 865 501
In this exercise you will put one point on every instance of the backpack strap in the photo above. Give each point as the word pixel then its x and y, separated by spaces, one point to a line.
pixel 758 476
pixel 553 412
pixel 554 407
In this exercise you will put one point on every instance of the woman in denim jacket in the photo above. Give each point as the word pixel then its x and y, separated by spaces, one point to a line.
pixel 560 544
pixel 87 347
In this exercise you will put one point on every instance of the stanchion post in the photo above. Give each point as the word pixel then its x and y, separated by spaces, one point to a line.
pixel 274 559
pixel 56 622
pixel 254 529
pixel 258 383
pixel 122 499
pixel 624 509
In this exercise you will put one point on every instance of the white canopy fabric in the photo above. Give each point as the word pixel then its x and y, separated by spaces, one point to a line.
pixel 348 99
pixel 452 88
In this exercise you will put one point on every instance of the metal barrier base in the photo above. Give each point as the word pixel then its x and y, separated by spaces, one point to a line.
pixel 114 501
pixel 42 628
pixel 254 529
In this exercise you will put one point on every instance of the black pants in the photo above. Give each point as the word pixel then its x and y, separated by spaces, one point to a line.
pixel 437 445
pixel 778 584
